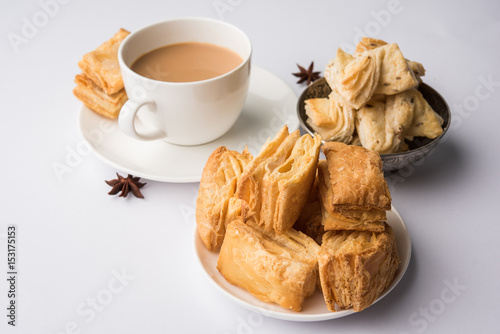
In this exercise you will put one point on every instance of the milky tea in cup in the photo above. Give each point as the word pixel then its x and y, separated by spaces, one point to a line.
pixel 186 62
pixel 187 80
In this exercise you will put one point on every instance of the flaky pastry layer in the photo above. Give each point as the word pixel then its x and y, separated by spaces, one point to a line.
pixel 280 269
pixel 355 267
pixel 336 217
pixel 331 118
pixel 378 70
pixel 101 65
pixel 96 99
pixel 383 125
pixel 356 178
pixel 216 205
pixel 275 184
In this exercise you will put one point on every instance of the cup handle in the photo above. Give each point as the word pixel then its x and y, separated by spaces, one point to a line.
pixel 126 121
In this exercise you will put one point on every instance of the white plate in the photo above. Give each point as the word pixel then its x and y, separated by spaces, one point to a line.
pixel 314 308
pixel 271 103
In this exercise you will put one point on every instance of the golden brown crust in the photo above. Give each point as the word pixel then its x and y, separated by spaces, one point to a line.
pixel 336 221
pixel 101 65
pixel 339 218
pixel 96 99
pixel 216 205
pixel 355 267
pixel 275 185
pixel 318 111
pixel 280 269
pixel 356 178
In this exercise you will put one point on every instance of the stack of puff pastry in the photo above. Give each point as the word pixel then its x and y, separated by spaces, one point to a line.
pixel 246 206
pixel 358 257
pixel 267 215
pixel 374 101
pixel 100 85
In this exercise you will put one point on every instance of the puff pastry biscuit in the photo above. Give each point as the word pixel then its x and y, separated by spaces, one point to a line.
pixel 275 185
pixel 355 267
pixel 280 269
pixel 354 78
pixel 426 122
pixel 101 65
pixel 331 118
pixel 381 126
pixel 395 74
pixel 356 178
pixel 378 70
pixel 96 99
pixel 318 111
pixel 368 43
pixel 339 218
pixel 216 205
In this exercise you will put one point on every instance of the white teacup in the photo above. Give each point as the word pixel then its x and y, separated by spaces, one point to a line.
pixel 183 113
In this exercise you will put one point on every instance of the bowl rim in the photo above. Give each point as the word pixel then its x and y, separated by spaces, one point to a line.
pixel 434 141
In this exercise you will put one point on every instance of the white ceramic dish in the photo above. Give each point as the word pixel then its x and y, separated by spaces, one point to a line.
pixel 314 308
pixel 270 104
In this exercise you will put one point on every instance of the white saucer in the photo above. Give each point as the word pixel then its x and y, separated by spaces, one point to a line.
pixel 271 103
pixel 314 308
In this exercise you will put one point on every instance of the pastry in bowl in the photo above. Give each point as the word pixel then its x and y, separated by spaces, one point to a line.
pixel 368 43
pixel 382 125
pixel 394 111
pixel 381 70
pixel 331 118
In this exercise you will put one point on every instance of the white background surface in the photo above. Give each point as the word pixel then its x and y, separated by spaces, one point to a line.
pixel 73 237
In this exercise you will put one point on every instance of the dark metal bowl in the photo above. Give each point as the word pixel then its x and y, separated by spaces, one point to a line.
pixel 418 148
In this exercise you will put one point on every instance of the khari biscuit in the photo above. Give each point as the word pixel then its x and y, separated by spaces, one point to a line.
pixel 332 119
pixel 354 78
pixel 426 122
pixel 94 98
pixel 101 65
pixel 381 70
pixel 217 205
pixel 274 268
pixel 275 185
pixel 338 218
pixel 356 178
pixel 355 267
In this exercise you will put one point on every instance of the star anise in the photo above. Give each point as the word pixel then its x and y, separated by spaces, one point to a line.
pixel 307 75
pixel 125 185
